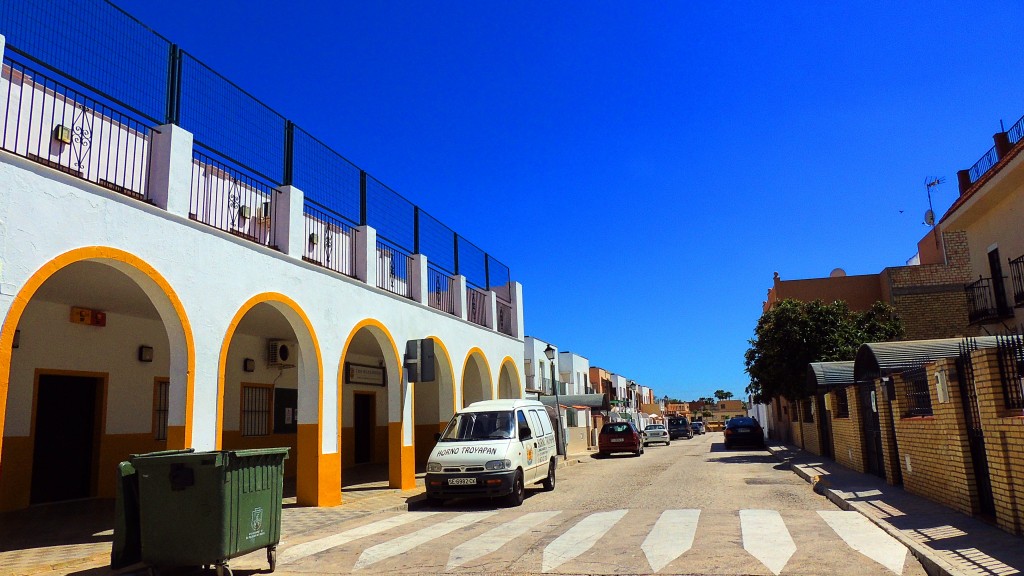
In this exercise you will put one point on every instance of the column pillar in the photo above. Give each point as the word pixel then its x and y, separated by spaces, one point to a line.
pixel 170 173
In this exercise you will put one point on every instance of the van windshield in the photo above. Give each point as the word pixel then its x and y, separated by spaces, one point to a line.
pixel 480 426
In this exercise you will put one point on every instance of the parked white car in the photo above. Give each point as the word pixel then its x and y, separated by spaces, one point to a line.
pixel 656 433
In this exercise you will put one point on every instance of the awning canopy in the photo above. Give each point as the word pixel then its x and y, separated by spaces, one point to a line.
pixel 827 376
pixel 879 359
pixel 593 401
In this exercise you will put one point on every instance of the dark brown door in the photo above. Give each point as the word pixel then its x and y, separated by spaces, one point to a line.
pixel 998 283
pixel 65 435
pixel 363 406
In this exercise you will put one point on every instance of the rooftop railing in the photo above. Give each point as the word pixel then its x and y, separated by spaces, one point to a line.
pixel 984 164
pixel 441 290
pixel 229 200
pixel 393 266
pixel 330 241
pixel 51 123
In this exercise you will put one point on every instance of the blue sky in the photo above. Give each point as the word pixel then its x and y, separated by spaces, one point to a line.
pixel 642 167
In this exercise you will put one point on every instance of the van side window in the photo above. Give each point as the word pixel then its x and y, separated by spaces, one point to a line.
pixel 521 418
pixel 545 421
pixel 535 420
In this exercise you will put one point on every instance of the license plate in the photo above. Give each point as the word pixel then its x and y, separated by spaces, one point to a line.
pixel 618 439
pixel 743 429
pixel 461 481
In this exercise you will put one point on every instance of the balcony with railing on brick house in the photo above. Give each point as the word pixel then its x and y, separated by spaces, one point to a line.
pixel 113 127
pixel 983 302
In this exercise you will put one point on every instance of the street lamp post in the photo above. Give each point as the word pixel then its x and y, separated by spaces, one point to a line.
pixel 550 353
pixel 632 401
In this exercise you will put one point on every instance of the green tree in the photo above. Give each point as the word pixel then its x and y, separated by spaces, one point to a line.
pixel 793 334
pixel 722 395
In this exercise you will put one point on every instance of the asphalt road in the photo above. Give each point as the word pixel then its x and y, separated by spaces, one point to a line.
pixel 687 508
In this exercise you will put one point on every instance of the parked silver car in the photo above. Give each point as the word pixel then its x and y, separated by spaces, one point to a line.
pixel 656 433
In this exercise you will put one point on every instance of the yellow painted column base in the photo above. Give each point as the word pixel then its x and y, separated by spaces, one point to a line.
pixel 318 481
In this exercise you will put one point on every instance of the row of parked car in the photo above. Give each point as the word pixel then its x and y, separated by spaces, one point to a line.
pixel 616 437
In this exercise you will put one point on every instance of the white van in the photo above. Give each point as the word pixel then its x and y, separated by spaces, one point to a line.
pixel 493 448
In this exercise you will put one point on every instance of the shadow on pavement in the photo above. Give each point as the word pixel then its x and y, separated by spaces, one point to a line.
pixel 81 522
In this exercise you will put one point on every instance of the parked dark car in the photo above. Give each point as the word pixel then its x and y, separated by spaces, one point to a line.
pixel 697 427
pixel 743 431
pixel 679 427
pixel 619 437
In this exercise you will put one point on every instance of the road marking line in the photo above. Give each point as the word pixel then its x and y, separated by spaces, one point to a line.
pixel 864 537
pixel 766 538
pixel 495 538
pixel 305 549
pixel 579 538
pixel 671 537
pixel 403 544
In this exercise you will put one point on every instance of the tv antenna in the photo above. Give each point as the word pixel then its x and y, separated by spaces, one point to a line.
pixel 929 215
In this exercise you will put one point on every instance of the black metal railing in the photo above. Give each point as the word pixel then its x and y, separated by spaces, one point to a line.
pixel 984 164
pixel 1016 132
pixel 981 301
pixel 1010 350
pixel 393 266
pixel 476 306
pixel 230 200
pixel 58 126
pixel 441 290
pixel 919 400
pixel 126 66
pixel 1017 279
pixel 504 310
pixel 330 240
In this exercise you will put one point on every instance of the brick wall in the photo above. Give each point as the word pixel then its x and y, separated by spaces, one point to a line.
pixel 847 437
pixel 930 298
pixel 810 429
pixel 1004 442
pixel 890 450
pixel 935 452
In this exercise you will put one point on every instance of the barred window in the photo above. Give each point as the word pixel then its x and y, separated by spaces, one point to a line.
pixel 808 408
pixel 842 404
pixel 161 403
pixel 256 410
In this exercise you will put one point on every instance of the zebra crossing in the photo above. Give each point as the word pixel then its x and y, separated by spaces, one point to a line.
pixel 606 542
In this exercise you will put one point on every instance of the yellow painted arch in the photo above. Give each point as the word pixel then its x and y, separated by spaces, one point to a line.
pixel 367 323
pixel 515 369
pixel 448 358
pixel 487 366
pixel 94 253
pixel 267 297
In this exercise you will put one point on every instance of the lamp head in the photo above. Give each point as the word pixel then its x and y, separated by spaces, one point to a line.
pixel 550 353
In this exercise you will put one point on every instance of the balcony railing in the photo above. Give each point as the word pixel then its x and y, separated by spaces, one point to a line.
pixel 393 266
pixel 984 164
pixel 476 304
pixel 330 241
pixel 441 291
pixel 1016 132
pixel 981 302
pixel 504 317
pixel 232 201
pixel 1017 277
pixel 59 127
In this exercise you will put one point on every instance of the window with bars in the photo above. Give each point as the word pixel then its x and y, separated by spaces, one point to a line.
pixel 842 404
pixel 256 410
pixel 161 403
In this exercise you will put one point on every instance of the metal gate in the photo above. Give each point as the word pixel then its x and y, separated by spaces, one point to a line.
pixel 872 427
pixel 975 436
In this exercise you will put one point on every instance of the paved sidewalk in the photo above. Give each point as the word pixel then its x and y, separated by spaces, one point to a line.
pixel 75 537
pixel 944 540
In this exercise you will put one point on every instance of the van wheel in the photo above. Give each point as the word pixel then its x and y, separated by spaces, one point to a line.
pixel 515 498
pixel 549 482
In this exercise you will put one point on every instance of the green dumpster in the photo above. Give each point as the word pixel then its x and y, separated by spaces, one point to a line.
pixel 204 508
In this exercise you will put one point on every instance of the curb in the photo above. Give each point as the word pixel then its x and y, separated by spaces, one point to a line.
pixel 932 563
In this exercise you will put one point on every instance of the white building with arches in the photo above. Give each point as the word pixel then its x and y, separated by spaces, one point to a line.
pixel 132 323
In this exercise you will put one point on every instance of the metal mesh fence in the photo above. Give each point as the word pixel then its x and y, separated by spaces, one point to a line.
pixel 324 176
pixel 437 242
pixel 107 50
pixel 393 216
pixel 498 277
pixel 472 263
pixel 226 119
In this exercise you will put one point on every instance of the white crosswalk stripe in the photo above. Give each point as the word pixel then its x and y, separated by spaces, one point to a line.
pixel 579 538
pixel 397 546
pixel 671 537
pixel 494 539
pixel 298 552
pixel 866 538
pixel 766 538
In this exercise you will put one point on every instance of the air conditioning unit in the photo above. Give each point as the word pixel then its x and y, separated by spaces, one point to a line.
pixel 281 353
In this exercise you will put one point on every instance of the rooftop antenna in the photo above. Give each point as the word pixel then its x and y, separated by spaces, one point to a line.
pixel 929 215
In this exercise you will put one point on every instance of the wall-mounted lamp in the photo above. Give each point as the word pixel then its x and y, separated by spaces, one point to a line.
pixel 314 239
pixel 145 353
pixel 17 339
pixel 62 134
pixel 249 365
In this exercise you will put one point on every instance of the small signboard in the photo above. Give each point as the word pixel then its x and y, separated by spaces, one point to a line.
pixel 366 375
